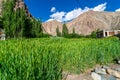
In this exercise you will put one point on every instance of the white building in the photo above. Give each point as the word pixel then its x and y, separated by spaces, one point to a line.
pixel 2 34
pixel 107 33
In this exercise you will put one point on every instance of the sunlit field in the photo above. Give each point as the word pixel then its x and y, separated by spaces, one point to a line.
pixel 46 58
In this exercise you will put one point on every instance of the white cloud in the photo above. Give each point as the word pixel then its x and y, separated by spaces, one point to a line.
pixel 117 10
pixel 52 20
pixel 49 20
pixel 73 14
pixel 58 16
pixel 100 7
pixel 67 16
pixel 53 9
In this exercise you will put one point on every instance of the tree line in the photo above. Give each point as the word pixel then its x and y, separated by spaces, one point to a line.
pixel 65 33
pixel 17 24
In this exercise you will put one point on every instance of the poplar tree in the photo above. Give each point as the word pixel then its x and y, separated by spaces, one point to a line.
pixel 64 31
pixel 58 32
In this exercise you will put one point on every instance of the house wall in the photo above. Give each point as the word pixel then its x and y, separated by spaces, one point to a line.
pixel 111 33
pixel 107 33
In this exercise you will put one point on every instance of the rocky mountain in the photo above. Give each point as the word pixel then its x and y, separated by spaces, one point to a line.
pixel 21 4
pixel 87 22
pixel 18 4
pixel 50 27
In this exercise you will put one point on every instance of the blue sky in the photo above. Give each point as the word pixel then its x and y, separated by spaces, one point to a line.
pixel 65 10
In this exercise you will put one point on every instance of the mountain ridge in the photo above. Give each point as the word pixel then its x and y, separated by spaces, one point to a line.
pixel 87 22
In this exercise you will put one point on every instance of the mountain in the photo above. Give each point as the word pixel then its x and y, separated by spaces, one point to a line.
pixel 18 4
pixel 21 4
pixel 87 22
pixel 50 27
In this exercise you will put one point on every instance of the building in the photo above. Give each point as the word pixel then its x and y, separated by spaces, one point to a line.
pixel 108 33
pixel 2 34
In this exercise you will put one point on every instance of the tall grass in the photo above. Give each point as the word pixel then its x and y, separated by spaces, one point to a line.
pixel 45 59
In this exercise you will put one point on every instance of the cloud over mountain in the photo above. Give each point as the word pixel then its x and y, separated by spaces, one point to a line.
pixel 100 7
pixel 117 10
pixel 67 16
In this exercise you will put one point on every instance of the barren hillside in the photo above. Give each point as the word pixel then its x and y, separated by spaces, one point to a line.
pixel 87 22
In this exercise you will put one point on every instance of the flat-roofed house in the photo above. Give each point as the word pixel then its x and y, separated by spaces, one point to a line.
pixel 108 33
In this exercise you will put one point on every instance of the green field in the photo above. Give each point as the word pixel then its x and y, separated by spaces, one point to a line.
pixel 46 58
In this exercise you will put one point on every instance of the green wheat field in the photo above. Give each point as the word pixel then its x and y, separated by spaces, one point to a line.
pixel 46 58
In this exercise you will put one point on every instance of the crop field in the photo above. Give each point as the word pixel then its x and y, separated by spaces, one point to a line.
pixel 46 58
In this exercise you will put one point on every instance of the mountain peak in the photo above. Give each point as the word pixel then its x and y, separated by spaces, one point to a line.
pixel 87 22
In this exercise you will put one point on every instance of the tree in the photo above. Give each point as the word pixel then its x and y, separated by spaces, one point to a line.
pixel 73 30
pixel 58 32
pixel 64 31
pixel 17 24
pixel 7 14
pixel 1 23
pixel 36 28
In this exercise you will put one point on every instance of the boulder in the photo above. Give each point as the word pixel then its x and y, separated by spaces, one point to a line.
pixel 100 70
pixel 112 78
pixel 118 61
pixel 105 67
pixel 117 69
pixel 95 76
pixel 113 73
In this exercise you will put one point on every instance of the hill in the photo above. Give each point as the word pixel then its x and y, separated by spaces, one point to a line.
pixel 87 22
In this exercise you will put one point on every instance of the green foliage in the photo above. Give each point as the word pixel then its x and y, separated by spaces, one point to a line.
pixel 17 24
pixel 7 14
pixel 29 60
pixel 36 28
pixel 74 35
pixel 43 35
pixel 43 59
pixel 1 22
pixel 58 32
pixel 93 34
pixel 64 31
pixel 73 30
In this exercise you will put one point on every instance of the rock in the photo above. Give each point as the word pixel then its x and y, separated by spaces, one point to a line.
pixel 105 67
pixel 100 70
pixel 113 72
pixel 95 76
pixel 117 69
pixel 118 61
pixel 112 78
pixel 103 77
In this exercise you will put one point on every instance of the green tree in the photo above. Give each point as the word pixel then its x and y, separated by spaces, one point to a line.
pixel 7 12
pixel 64 31
pixel 73 30
pixel 1 23
pixel 17 24
pixel 58 33
pixel 37 28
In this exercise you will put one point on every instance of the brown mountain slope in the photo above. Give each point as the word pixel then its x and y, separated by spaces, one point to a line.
pixel 92 20
pixel 87 22
pixel 50 27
